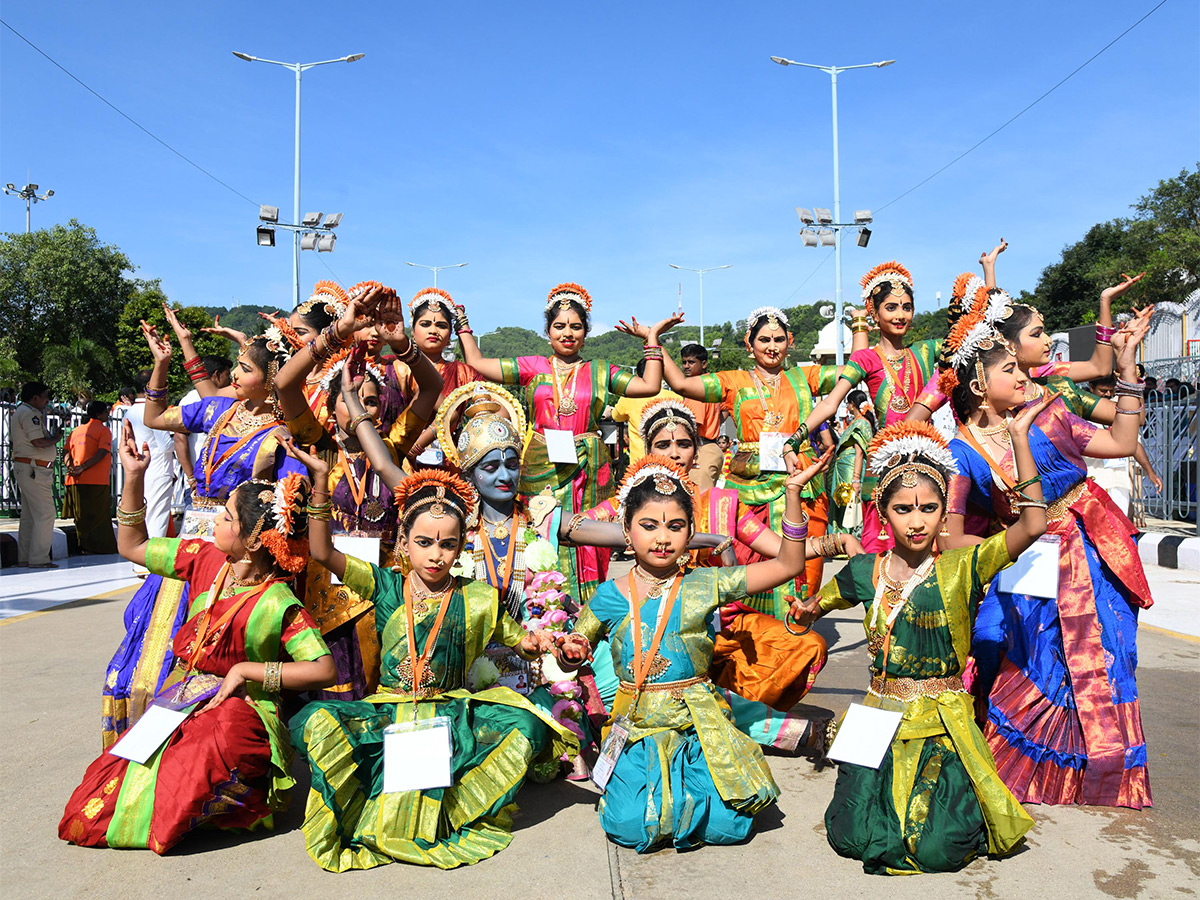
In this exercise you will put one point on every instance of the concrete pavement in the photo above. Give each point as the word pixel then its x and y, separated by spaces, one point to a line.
pixel 53 663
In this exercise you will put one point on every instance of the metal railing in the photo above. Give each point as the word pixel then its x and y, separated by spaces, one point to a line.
pixel 67 419
pixel 1170 438
pixel 1185 368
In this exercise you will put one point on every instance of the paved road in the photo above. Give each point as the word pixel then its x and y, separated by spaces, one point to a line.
pixel 52 664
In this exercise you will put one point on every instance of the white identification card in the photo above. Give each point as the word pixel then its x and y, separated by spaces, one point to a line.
pixel 148 734
pixel 770 451
pixel 865 735
pixel 1119 462
pixel 610 751
pixel 608 432
pixel 416 755
pixel 432 455
pixel 1035 571
pixel 365 548
pixel 560 446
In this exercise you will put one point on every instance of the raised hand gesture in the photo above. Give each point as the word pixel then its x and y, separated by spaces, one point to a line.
pixel 133 460
pixel 389 318
pixel 1018 425
pixel 317 467
pixel 988 257
pixel 1117 290
pixel 633 328
pixel 231 334
pixel 160 347
pixel 798 478
pixel 1126 339
pixel 181 331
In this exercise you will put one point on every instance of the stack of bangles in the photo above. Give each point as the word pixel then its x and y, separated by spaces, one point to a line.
pixel 462 325
pixel 1135 389
pixel 1104 334
pixel 652 351
pixel 826 545
pixel 137 517
pixel 1023 500
pixel 320 512
pixel 792 531
pixel 721 547
pixel 859 325
pixel 409 356
pixel 332 341
pixel 356 421
pixel 272 677
pixel 156 393
pixel 319 354
pixel 195 369
pixel 798 439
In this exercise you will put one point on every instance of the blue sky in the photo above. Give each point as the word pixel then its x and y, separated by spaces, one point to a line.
pixel 546 142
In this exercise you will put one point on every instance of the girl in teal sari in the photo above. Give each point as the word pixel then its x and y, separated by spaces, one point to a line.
pixel 686 774
pixel 432 627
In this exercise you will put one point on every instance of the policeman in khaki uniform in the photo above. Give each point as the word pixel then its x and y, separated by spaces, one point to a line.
pixel 33 453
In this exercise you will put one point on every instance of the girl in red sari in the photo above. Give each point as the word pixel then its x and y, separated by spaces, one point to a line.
pixel 229 763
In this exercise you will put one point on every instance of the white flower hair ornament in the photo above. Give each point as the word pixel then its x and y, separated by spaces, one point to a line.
pixel 909 450
pixel 678 414
pixel 667 478
pixel 334 371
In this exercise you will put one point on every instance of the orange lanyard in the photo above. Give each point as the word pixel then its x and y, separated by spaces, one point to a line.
pixel 501 581
pixel 641 664
pixel 358 489
pixel 894 378
pixel 417 662
pixel 992 464
pixel 199 648
pixel 210 466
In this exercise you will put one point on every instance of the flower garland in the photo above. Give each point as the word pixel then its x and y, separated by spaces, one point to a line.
pixel 564 293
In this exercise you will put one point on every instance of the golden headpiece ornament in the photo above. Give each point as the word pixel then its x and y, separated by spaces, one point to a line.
pixel 564 293
pixel 667 476
pixel 434 297
pixel 891 273
pixel 486 418
pixel 906 451
pixel 669 414
pixel 447 490
pixel 328 294
pixel 776 318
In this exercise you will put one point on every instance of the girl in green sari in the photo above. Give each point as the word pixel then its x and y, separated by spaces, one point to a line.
pixel 851 485
pixel 432 626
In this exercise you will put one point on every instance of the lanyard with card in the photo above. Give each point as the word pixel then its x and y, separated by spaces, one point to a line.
pixel 365 548
pixel 560 446
pixel 433 455
pixel 770 451
pixel 1035 571
pixel 164 716
pixel 417 756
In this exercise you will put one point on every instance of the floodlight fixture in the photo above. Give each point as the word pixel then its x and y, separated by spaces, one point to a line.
pixel 49 193
pixel 308 241
pixel 11 186
pixel 268 213
pixel 266 236
pixel 805 215
pixel 333 220
pixel 311 220
pixel 246 56
pixel 864 236
pixel 326 242
pixel 824 216
pixel 355 57
pixel 825 237
pixel 717 343
pixel 809 237
pixel 886 62
pixel 862 217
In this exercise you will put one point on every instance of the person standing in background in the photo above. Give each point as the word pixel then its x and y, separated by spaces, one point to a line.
pixel 89 473
pixel 33 448
pixel 160 476
pixel 693 360
pixel 187 446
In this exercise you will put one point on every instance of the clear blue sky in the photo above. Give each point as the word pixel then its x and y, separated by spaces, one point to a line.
pixel 547 142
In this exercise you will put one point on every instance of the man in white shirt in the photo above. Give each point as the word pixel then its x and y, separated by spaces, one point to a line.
pixel 160 477
pixel 34 448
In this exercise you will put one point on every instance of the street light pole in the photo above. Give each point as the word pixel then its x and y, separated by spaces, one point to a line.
pixel 298 68
pixel 30 195
pixel 837 191
pixel 435 269
pixel 700 272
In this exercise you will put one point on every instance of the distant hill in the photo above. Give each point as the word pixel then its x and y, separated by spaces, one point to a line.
pixel 241 318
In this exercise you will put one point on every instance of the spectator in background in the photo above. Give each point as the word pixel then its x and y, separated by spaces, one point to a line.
pixel 1171 386
pixel 34 447
pixel 1151 384
pixel 187 446
pixel 693 359
pixel 160 476
pixel 89 473
pixel 125 398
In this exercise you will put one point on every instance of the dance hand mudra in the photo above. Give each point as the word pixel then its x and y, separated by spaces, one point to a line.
pixel 160 347
pixel 133 460
pixel 389 317
pixel 230 334
pixel 797 477
pixel 645 332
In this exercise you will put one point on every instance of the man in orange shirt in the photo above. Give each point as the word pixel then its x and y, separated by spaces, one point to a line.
pixel 693 359
pixel 89 468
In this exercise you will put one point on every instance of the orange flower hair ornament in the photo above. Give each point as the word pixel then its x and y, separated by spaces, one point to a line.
pixel 435 297
pixel 290 551
pixel 449 489
pixel 667 477
pixel 973 332
pixel 333 369
pixel 564 293
pixel 329 294
pixel 907 450
pixel 285 329
pixel 890 273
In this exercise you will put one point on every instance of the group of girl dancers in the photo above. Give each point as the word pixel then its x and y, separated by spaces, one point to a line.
pixel 378 543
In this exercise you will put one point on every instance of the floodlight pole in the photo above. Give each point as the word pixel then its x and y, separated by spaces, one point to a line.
pixel 700 272
pixel 298 68
pixel 837 191
pixel 435 269
pixel 30 195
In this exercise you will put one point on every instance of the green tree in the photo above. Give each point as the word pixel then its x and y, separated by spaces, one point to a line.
pixel 67 367
pixel 61 286
pixel 132 352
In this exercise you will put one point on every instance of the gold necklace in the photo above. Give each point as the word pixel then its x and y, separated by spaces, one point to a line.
pixel 244 420
pixel 422 595
pixel 771 416
pixel 498 530
pixel 564 397
pixel 656 585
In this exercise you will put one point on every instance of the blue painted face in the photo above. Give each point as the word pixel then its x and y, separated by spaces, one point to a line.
pixel 496 476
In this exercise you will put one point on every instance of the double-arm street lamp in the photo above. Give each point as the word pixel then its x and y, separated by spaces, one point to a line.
pixel 297 225
pixel 700 272
pixel 434 269
pixel 30 195
pixel 837 195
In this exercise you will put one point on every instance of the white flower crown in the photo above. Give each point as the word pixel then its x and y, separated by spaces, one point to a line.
pixel 909 448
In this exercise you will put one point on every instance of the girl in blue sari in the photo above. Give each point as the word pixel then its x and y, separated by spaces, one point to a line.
pixel 243 442
pixel 686 774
